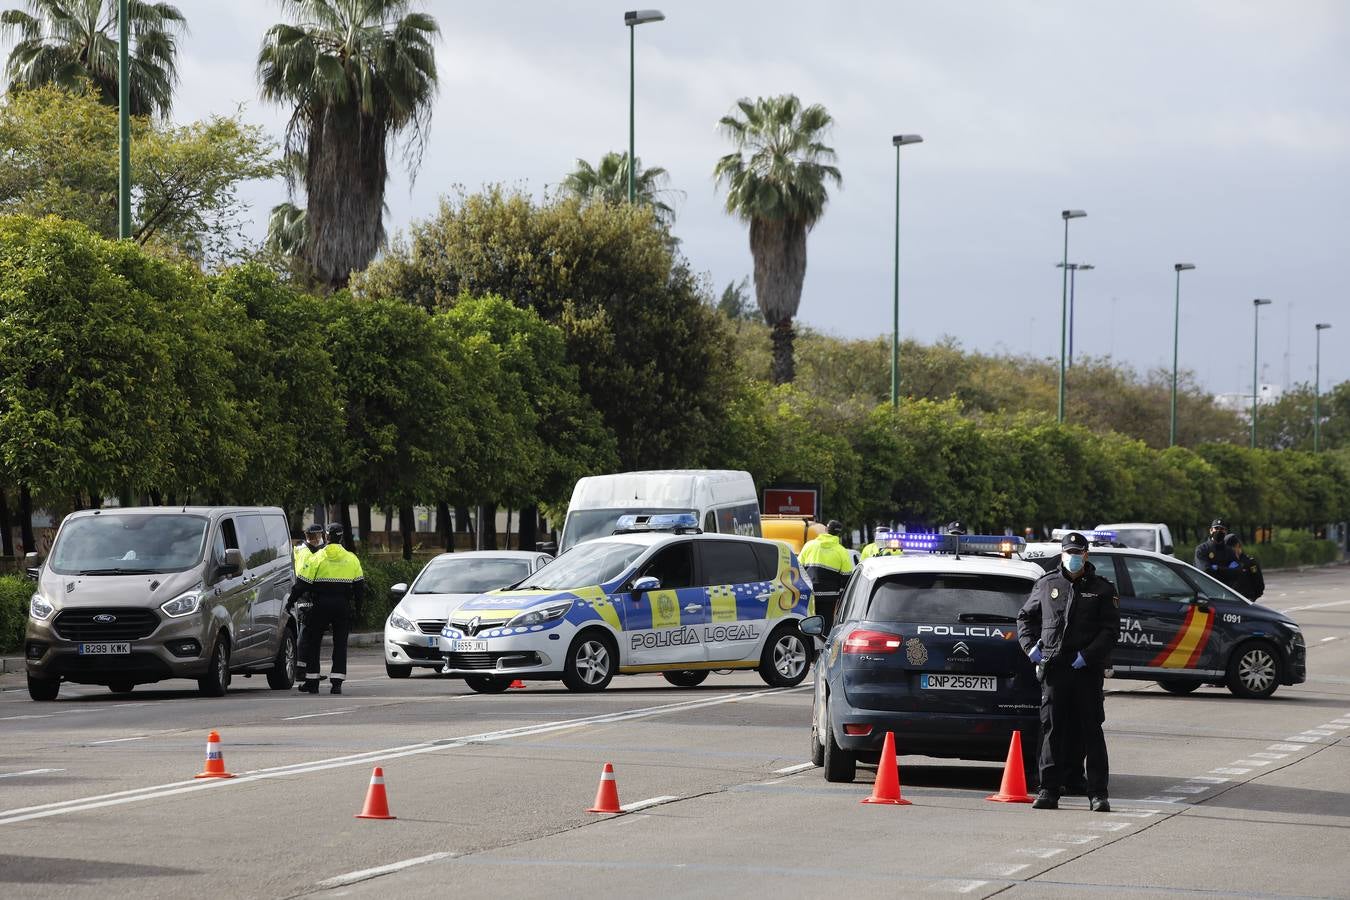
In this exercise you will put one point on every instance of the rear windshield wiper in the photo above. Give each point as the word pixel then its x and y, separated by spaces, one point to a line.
pixel 985 617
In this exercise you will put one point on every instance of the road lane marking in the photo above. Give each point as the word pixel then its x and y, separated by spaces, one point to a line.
pixel 1292 748
pixel 1319 732
pixel 1301 738
pixel 792 770
pixel 1040 852
pixel 336 712
pixel 650 801
pixel 1075 838
pixel 1108 826
pixel 1264 755
pixel 1230 770
pixel 29 772
pixel 1188 789
pixel 119 740
pixel 965 887
pixel 1009 871
pixel 1315 606
pixel 16 718
pixel 170 789
pixel 1326 639
pixel 1251 762
pixel 1207 779
pixel 377 871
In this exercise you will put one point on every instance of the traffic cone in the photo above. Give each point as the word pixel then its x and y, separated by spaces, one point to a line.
pixel 377 804
pixel 1014 786
pixel 518 684
pixel 215 761
pixel 607 796
pixel 886 789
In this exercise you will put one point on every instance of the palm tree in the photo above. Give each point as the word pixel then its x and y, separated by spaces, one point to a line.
pixel 776 180
pixel 67 42
pixel 359 73
pixel 608 182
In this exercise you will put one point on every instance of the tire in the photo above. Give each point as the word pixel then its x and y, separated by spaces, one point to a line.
pixel 1178 686
pixel 216 681
pixel 43 690
pixel 786 658
pixel 685 679
pixel 281 677
pixel 817 748
pixel 591 662
pixel 122 687
pixel 486 684
pixel 1254 670
pixel 397 671
pixel 840 766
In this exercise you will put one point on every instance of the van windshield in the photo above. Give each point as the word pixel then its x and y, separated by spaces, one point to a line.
pixel 1138 538
pixel 585 566
pixel 111 544
pixel 585 524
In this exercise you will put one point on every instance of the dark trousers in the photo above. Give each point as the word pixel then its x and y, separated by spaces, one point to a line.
pixel 298 611
pixel 825 604
pixel 1071 727
pixel 324 614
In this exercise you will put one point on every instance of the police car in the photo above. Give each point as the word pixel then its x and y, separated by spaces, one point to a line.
pixel 657 596
pixel 1183 628
pixel 925 646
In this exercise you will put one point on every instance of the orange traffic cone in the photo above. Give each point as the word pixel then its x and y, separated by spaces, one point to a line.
pixel 518 684
pixel 377 804
pixel 607 796
pixel 886 789
pixel 1014 786
pixel 215 762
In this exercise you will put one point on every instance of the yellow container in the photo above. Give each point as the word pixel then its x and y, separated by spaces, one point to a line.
pixel 791 530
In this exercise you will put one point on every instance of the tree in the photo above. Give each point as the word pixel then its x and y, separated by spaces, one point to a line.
pixel 735 302
pixel 358 76
pixel 777 180
pixel 61 159
pixel 608 183
pixel 69 42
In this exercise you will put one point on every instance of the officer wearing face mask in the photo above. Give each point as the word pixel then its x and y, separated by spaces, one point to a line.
pixel 1068 627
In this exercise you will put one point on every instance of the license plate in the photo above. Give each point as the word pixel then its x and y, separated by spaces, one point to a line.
pixel 938 682
pixel 105 648
pixel 468 647
pixel 434 642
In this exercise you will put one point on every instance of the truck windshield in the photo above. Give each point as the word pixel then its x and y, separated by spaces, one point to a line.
pixel 112 544
pixel 586 565
pixel 585 524
pixel 947 598
pixel 1138 538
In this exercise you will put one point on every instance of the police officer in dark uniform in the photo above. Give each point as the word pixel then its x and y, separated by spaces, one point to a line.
pixel 1213 556
pixel 1244 571
pixel 1068 627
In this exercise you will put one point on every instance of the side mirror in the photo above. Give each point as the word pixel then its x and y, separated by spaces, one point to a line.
pixel 397 591
pixel 32 566
pixel 646 583
pixel 234 561
pixel 549 547
pixel 812 626
pixel 1168 549
pixel 1201 603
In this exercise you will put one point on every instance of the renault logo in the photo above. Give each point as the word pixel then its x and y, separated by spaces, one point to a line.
pixel 473 625
pixel 105 619
pixel 961 647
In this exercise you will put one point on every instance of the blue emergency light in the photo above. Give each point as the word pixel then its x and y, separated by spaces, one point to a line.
pixel 678 523
pixel 1001 544
pixel 1092 537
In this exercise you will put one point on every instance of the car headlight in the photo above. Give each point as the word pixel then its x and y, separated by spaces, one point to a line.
pixel 399 622
pixel 182 605
pixel 540 616
pixel 39 608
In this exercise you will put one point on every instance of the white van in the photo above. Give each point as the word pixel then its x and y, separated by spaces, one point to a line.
pixel 1154 536
pixel 724 500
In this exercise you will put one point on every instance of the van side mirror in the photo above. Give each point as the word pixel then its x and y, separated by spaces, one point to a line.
pixel 234 561
pixel 397 591
pixel 549 547
pixel 1168 549
pixel 646 583
pixel 32 566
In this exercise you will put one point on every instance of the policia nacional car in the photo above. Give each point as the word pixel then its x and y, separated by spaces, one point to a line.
pixel 1184 629
pixel 925 646
pixel 657 596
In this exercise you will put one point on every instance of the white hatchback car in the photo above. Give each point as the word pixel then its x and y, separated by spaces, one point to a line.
pixel 412 631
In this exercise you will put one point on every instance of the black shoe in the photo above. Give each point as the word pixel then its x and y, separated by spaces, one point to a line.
pixel 1046 800
pixel 1099 804
pixel 335 687
pixel 310 686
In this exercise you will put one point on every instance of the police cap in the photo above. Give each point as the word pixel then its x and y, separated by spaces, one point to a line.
pixel 314 528
pixel 1074 541
pixel 1218 525
pixel 334 531
pixel 1233 540
pixel 955 528
pixel 834 526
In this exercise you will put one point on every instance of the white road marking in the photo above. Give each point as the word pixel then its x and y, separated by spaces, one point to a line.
pixel 1292 748
pixel 1187 789
pixel 1075 838
pixel 1009 871
pixel 29 772
pixel 1264 755
pixel 1315 606
pixel 1231 770
pixel 175 788
pixel 365 874
pixel 1326 639
pixel 650 801
pixel 1301 738
pixel 17 718
pixel 1157 798
pixel 1251 762
pixel 1134 813
pixel 336 712
pixel 1319 733
pixel 965 887
pixel 1207 779
pixel 119 740
pixel 1109 826
pixel 1040 852
pixel 791 770
pixel 1334 727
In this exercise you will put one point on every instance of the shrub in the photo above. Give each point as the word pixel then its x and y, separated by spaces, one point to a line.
pixel 15 592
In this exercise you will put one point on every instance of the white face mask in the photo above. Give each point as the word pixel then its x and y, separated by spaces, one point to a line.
pixel 1073 562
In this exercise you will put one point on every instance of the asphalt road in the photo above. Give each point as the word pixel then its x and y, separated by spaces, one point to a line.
pixel 1213 795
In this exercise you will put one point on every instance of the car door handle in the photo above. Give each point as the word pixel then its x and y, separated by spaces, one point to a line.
pixel 692 607
pixel 764 595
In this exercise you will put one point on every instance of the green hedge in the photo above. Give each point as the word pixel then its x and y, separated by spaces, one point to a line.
pixel 15 592
pixel 1291 554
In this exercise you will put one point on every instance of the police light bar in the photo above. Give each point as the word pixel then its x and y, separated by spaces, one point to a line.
pixel 1093 537
pixel 890 540
pixel 678 523
pixel 1002 544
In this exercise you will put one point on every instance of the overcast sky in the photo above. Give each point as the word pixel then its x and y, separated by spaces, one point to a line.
pixel 1208 131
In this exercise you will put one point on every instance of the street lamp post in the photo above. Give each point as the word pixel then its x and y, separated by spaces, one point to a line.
pixel 1064 304
pixel 1176 332
pixel 632 19
pixel 899 140
pixel 1074 269
pixel 1317 389
pixel 1256 337
pixel 124 123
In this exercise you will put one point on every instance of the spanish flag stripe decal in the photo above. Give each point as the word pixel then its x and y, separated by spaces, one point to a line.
pixel 1202 643
pixel 1161 658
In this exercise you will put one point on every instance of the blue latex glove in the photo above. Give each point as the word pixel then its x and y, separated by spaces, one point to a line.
pixel 1235 565
pixel 1079 662
pixel 1035 655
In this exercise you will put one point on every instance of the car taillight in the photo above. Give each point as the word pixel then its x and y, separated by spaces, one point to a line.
pixel 872 642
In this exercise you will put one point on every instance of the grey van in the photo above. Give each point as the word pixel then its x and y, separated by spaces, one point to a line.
pixel 134 596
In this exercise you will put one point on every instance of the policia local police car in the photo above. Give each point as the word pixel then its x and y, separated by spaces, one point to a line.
pixel 925 646
pixel 657 596
pixel 1182 628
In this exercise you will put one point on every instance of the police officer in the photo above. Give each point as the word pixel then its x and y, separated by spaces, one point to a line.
pixel 312 543
pixel 1213 556
pixel 1067 627
pixel 827 564
pixel 889 547
pixel 1245 571
pixel 333 581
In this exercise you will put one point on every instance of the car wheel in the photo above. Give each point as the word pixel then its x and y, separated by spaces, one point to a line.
pixel 840 766
pixel 1178 686
pixel 817 748
pixel 786 659
pixel 685 679
pixel 281 677
pixel 397 671
pixel 43 689
pixel 216 681
pixel 487 684
pixel 122 687
pixel 591 662
pixel 1254 670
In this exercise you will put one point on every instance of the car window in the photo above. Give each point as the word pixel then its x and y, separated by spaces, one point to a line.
pixel 848 607
pixel 258 549
pixel 278 534
pixel 1206 586
pixel 673 566
pixel 767 554
pixel 727 562
pixel 710 523
pixel 1154 580
pixel 947 597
